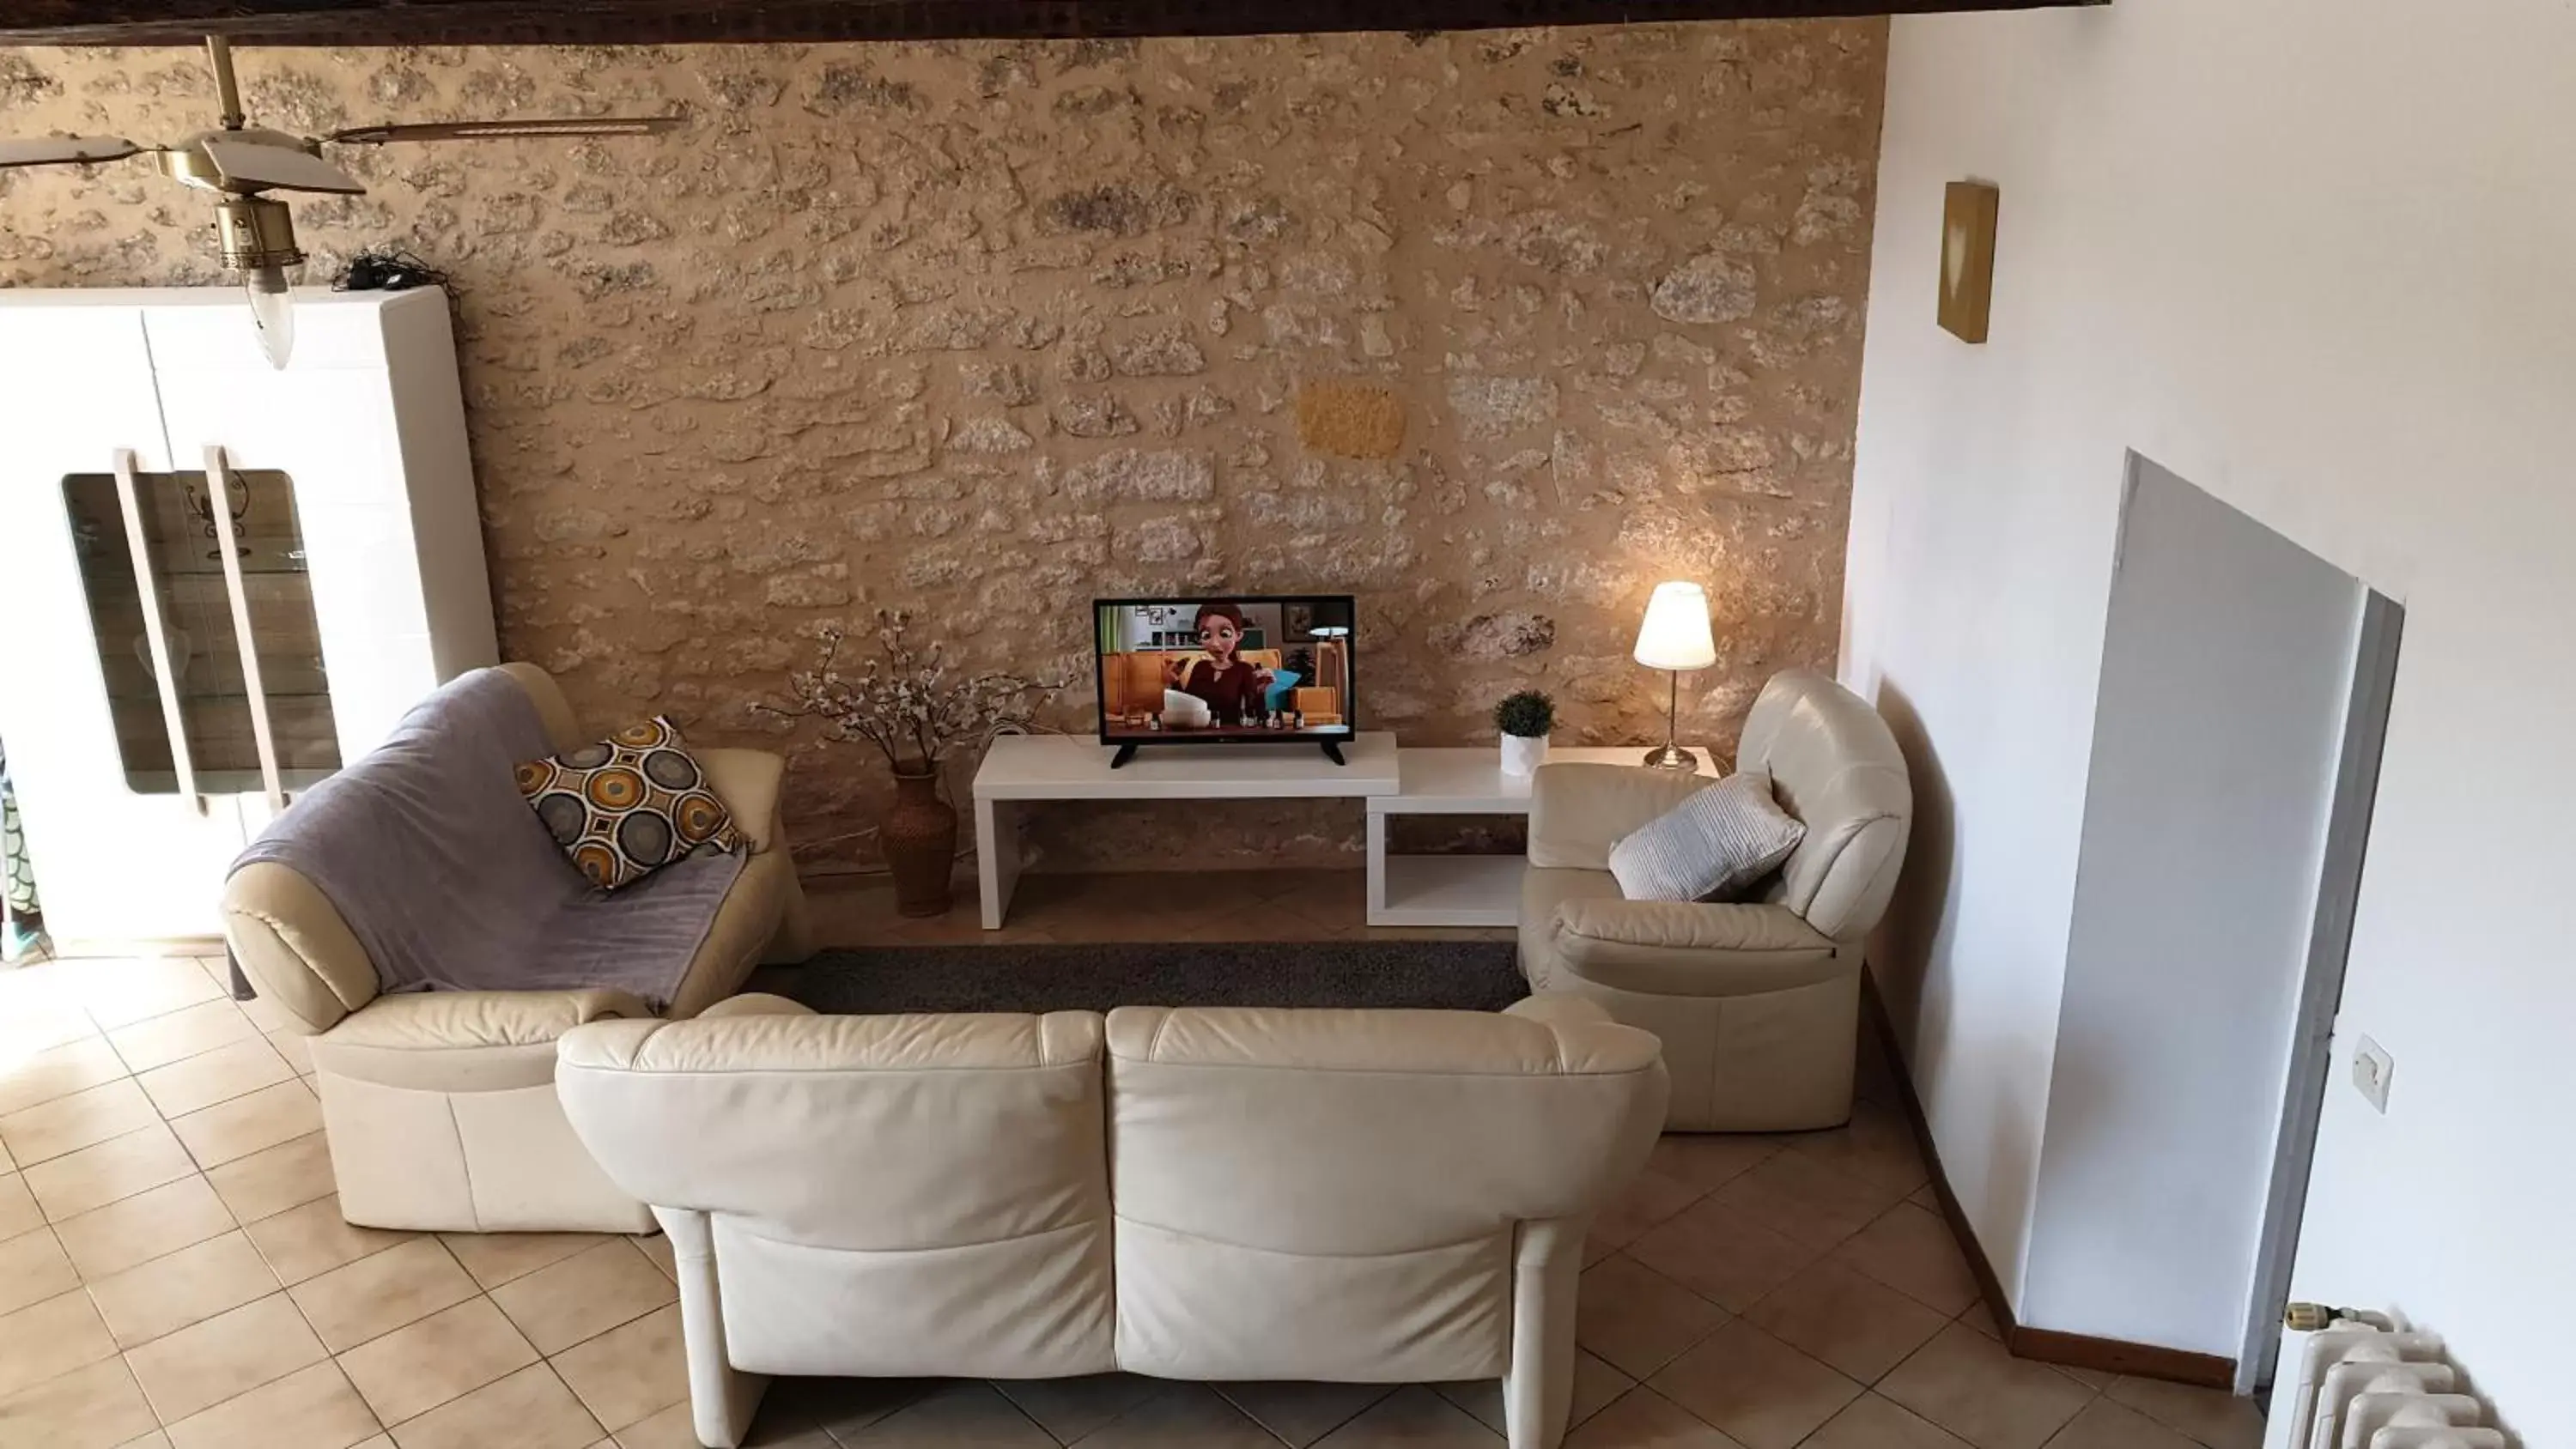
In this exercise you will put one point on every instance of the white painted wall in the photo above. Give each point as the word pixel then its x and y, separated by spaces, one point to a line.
pixel 2226 676
pixel 2314 255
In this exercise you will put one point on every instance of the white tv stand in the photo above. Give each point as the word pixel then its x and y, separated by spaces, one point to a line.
pixel 1403 890
pixel 1020 768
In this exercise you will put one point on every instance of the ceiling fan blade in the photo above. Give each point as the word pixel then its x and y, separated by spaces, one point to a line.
pixel 503 130
pixel 257 165
pixel 63 150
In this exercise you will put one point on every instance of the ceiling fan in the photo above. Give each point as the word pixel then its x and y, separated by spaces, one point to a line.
pixel 241 163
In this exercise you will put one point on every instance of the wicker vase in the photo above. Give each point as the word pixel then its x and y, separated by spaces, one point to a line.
pixel 919 839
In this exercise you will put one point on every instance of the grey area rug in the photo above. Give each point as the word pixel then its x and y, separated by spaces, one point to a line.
pixel 1451 975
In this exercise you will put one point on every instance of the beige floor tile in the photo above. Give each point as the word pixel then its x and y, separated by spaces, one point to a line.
pixel 1911 1251
pixel 1711 1160
pixel 839 1407
pixel 302 1242
pixel 53 1337
pixel 1967 1384
pixel 88 1408
pixel 75 1120
pixel 244 1125
pixel 1875 1423
pixel 270 1181
pixel 963 1415
pixel 584 1295
pixel 675 1428
pixel 1877 1146
pixel 496 1258
pixel 184 1033
pixel 32 1023
pixel 530 1409
pixel 232 1353
pixel 1637 1319
pixel 1807 1202
pixel 312 1408
pixel 2106 1425
pixel 57 1071
pixel 1412 1417
pixel 1301 1413
pixel 154 1440
pixel 294 1045
pixel 1596 1385
pixel 1180 1416
pixel 1982 1318
pixel 377 1294
pixel 630 1372
pixel 201 1081
pixel 1716 1251
pixel 118 993
pixel 188 1286
pixel 1644 1419
pixel 120 1167
pixel 453 1352
pixel 2211 1417
pixel 657 1246
pixel 18 1209
pixel 33 1268
pixel 1763 1393
pixel 1650 1200
pixel 1853 1324
pixel 1071 1408
pixel 2091 1378
pixel 140 1228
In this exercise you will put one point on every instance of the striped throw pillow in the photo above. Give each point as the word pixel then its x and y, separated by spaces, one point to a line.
pixel 1713 846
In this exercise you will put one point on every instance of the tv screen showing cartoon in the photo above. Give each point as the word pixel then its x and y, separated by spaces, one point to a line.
pixel 1227 669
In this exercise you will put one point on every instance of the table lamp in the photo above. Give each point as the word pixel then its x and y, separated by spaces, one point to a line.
pixel 1675 637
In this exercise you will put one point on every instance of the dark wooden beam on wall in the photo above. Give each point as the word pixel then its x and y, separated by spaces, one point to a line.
pixel 678 22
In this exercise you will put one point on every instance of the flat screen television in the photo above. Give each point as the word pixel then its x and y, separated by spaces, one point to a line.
pixel 1230 669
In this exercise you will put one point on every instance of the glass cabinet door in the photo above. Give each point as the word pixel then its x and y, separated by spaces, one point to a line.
pixel 182 521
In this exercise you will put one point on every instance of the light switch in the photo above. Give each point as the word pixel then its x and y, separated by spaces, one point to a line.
pixel 2371 1069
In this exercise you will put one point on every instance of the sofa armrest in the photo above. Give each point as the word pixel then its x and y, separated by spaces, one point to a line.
pixel 440 1020
pixel 747 781
pixel 1684 948
pixel 295 947
pixel 1578 811
pixel 1560 1009
pixel 754 1003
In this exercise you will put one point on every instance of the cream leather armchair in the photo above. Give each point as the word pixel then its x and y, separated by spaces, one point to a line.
pixel 440 1107
pixel 1757 1003
pixel 1363 1196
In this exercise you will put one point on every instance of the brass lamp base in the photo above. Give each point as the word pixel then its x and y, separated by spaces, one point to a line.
pixel 1672 757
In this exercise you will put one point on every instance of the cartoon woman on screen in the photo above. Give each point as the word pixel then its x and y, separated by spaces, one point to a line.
pixel 1233 688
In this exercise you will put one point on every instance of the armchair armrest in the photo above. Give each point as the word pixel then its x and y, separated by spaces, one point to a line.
pixel 1578 811
pixel 442 1020
pixel 1684 948
pixel 747 781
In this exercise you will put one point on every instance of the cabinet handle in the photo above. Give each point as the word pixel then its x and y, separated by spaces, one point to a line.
pixel 156 627
pixel 219 487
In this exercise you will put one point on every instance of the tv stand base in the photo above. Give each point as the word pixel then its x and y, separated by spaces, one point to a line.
pixel 1125 753
pixel 1333 752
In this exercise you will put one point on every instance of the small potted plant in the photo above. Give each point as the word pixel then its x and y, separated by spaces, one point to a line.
pixel 1524 718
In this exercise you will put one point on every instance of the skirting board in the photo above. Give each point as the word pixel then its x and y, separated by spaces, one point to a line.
pixel 2043 1345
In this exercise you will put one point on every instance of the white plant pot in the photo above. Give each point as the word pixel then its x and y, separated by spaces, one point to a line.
pixel 1523 754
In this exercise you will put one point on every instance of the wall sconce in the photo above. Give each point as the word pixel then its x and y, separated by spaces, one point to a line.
pixel 1968 258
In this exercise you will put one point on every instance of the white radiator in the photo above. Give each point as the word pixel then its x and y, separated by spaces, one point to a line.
pixel 2368 1381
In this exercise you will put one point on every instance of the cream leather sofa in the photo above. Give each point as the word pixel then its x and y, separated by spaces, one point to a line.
pixel 440 1107
pixel 1191 1194
pixel 1758 1003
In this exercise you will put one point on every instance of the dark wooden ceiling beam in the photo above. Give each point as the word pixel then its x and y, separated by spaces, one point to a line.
pixel 678 22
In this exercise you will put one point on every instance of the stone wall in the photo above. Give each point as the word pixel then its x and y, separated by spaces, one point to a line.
pixel 1493 329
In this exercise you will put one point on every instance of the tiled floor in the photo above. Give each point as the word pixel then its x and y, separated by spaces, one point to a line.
pixel 174 1272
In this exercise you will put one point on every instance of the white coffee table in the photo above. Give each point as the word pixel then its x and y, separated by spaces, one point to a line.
pixel 1462 890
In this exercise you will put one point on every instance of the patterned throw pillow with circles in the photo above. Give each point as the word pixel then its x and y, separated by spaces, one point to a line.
pixel 626 806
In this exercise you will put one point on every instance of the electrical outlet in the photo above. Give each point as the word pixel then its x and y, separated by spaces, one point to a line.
pixel 2371 1069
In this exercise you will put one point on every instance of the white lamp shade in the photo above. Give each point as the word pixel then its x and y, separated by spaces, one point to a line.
pixel 1675 634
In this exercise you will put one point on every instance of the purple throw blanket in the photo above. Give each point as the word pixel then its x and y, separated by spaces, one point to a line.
pixel 450 881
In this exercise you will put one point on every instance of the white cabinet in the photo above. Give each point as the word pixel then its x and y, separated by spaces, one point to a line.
pixel 218 580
